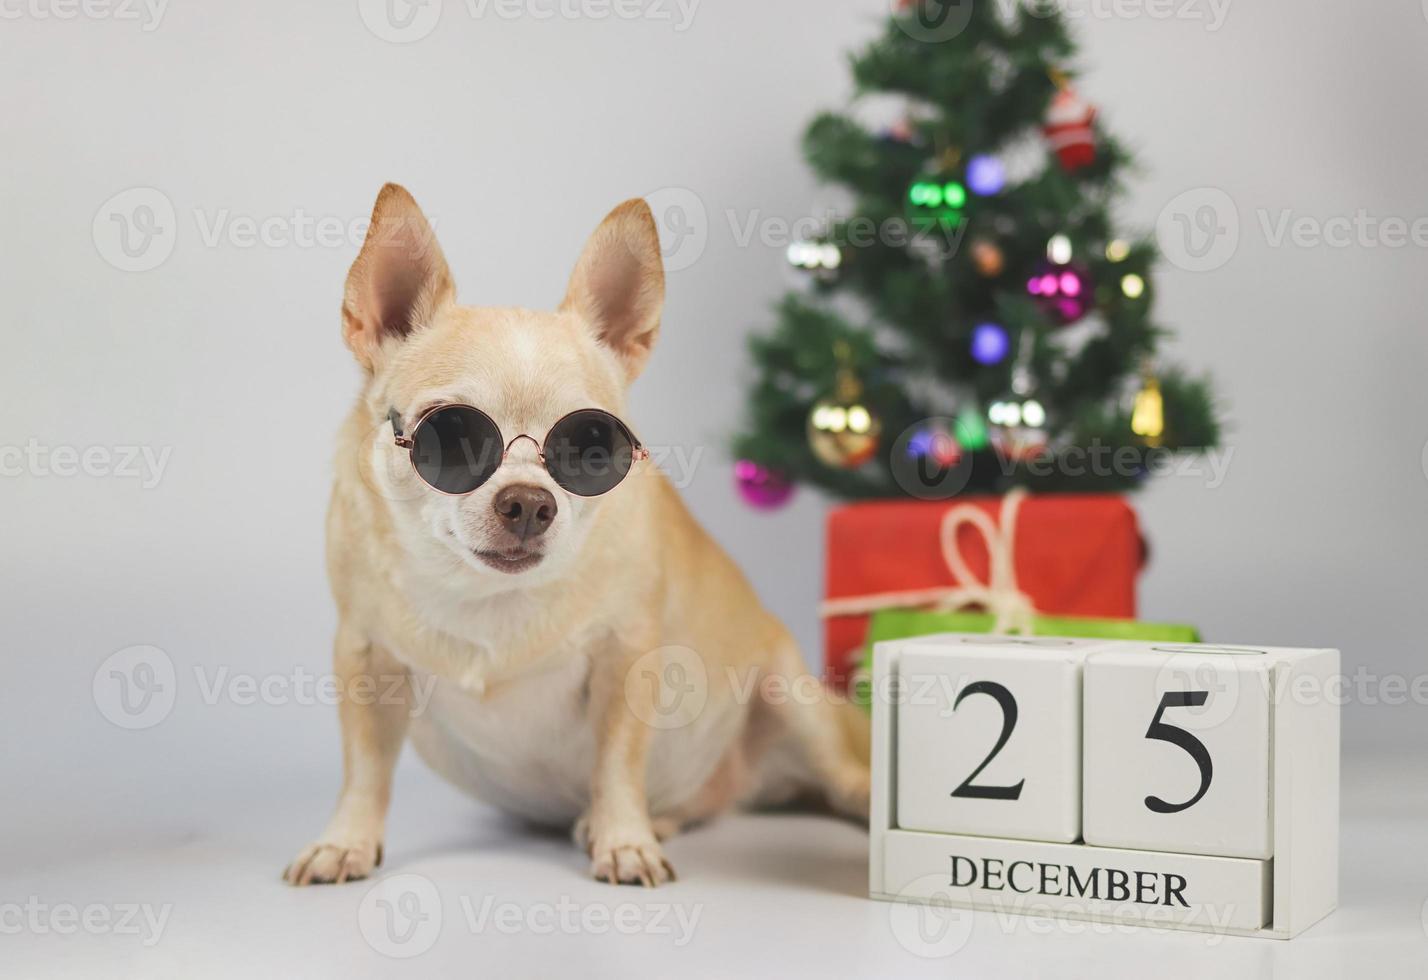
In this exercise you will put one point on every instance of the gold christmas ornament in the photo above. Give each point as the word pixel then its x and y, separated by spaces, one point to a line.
pixel 1148 415
pixel 842 430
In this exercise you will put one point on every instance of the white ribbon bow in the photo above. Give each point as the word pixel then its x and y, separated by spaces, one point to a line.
pixel 999 595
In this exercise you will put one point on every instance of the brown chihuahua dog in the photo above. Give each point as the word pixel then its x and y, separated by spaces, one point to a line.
pixel 500 544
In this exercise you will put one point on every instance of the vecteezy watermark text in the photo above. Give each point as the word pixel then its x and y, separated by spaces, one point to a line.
pixel 40 918
pixel 138 686
pixel 405 21
pixel 1211 13
pixel 137 229
pixel 565 916
pixel 1200 229
pixel 147 13
pixel 402 916
pixel 145 464
pixel 1358 230
pixel 934 21
pixel 1101 460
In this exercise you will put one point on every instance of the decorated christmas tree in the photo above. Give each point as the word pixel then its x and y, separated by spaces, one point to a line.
pixel 972 320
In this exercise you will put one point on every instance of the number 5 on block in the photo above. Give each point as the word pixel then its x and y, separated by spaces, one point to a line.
pixel 989 736
pixel 1177 750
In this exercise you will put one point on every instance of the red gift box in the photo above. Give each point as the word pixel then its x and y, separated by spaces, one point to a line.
pixel 1072 555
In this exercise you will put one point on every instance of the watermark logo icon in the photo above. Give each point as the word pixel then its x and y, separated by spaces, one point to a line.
pixel 932 20
pixel 1199 231
pixel 400 21
pixel 1194 672
pixel 401 916
pixel 135 230
pixel 668 687
pixel 135 688
pixel 921 465
pixel 683 224
pixel 924 921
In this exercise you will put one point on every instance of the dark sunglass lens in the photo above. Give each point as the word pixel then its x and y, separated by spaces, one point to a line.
pixel 456 449
pixel 589 453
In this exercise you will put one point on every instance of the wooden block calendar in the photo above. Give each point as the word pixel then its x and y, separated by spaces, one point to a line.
pixel 1190 786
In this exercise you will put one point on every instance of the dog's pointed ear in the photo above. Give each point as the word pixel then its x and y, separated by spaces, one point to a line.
pixel 399 280
pixel 618 284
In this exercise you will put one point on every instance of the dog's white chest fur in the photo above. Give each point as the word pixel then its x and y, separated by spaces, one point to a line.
pixel 528 747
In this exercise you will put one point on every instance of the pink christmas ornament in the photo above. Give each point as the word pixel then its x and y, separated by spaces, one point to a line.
pixel 761 487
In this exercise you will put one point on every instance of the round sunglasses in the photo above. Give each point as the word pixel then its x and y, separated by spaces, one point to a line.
pixel 456 448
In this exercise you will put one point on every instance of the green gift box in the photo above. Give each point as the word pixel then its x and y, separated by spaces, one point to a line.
pixel 898 624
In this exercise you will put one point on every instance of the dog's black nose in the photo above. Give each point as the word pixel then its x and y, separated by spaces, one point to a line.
pixel 525 510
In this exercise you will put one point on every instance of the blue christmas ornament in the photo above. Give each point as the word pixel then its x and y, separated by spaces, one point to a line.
pixel 990 343
pixel 986 175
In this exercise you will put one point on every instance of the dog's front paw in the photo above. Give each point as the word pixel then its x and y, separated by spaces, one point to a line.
pixel 641 863
pixel 333 862
pixel 633 857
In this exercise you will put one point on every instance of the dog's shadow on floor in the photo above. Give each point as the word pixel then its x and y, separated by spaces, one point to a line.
pixel 792 849
pixel 788 848
pixel 498 832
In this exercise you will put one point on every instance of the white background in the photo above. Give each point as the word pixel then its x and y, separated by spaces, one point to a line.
pixel 517 135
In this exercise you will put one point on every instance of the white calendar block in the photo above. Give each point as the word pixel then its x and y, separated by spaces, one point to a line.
pixel 1178 748
pixel 1259 752
pixel 990 734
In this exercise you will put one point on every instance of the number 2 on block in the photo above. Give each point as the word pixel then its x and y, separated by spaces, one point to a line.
pixel 1164 732
pixel 1004 699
